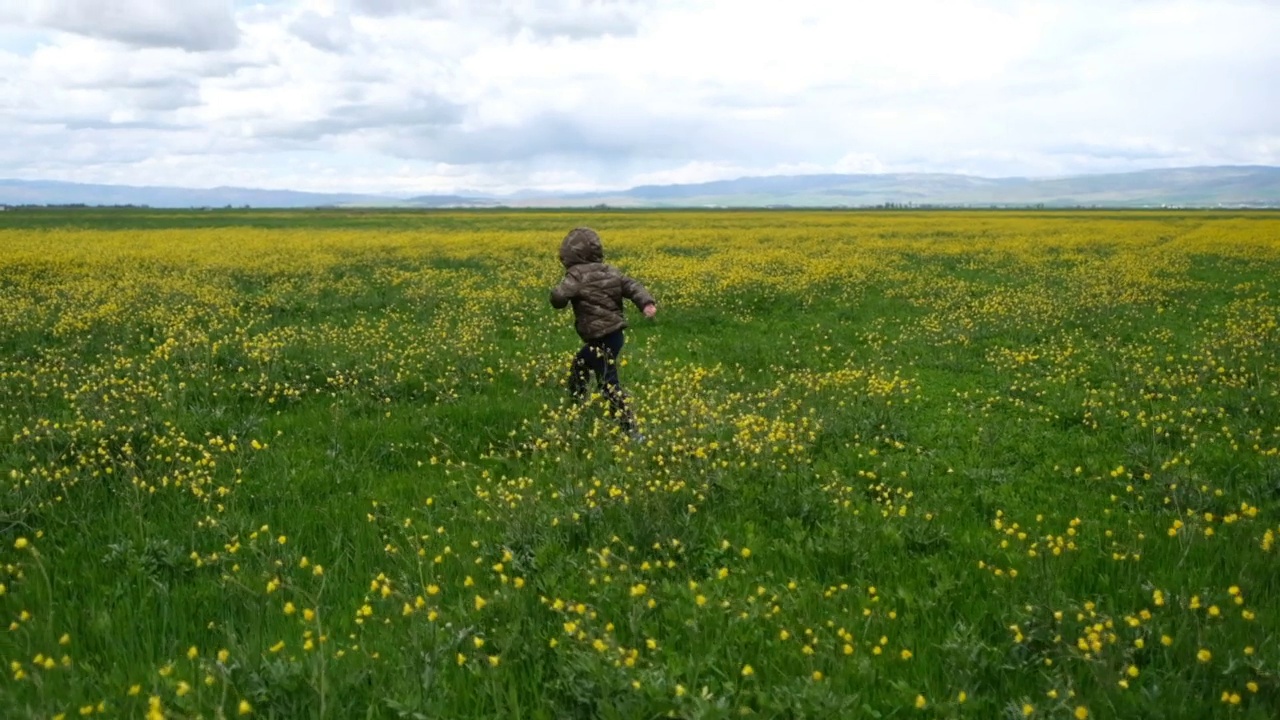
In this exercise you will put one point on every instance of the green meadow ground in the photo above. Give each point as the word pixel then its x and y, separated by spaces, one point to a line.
pixel 321 464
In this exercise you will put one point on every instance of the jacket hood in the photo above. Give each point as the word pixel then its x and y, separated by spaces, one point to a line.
pixel 581 245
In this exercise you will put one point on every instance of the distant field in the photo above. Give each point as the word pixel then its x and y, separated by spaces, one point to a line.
pixel 321 464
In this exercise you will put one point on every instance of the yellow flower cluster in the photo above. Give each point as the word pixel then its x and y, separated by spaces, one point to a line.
pixel 1020 462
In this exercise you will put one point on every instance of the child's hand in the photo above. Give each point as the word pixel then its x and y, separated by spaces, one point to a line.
pixel 650 310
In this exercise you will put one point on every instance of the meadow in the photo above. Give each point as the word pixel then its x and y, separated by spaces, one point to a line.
pixel 322 464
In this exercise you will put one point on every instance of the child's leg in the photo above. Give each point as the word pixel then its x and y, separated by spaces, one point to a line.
pixel 611 387
pixel 580 371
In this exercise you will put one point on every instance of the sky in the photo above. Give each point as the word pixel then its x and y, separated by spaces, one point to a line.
pixel 436 96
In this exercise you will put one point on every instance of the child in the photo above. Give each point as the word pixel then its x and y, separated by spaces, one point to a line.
pixel 597 291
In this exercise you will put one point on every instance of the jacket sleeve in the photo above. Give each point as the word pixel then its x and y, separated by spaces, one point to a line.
pixel 637 293
pixel 564 292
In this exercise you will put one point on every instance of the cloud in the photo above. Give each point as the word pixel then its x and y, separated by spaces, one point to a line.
pixel 544 19
pixel 1117 149
pixel 577 94
pixel 389 8
pixel 196 25
pixel 419 111
pixel 577 19
pixel 331 34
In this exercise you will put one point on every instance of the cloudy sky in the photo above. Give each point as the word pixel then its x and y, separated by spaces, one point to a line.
pixel 408 96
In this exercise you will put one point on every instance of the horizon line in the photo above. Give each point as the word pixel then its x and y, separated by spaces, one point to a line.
pixel 472 193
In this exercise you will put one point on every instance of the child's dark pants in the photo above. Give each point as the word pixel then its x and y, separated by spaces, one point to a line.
pixel 600 356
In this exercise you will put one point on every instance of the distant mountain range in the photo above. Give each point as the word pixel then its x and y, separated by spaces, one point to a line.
pixel 1229 186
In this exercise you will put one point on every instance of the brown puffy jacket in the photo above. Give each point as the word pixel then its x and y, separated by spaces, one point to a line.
pixel 595 289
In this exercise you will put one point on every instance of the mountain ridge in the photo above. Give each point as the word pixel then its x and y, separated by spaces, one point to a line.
pixel 1198 186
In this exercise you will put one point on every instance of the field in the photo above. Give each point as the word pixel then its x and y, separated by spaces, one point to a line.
pixel 323 464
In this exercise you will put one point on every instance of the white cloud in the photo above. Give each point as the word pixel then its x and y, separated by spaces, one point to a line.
pixel 538 18
pixel 189 24
pixel 444 94
pixel 332 33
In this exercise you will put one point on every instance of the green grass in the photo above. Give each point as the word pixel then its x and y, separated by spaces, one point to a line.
pixel 405 396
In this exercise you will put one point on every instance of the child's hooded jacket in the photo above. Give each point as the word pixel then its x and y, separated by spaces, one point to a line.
pixel 595 289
